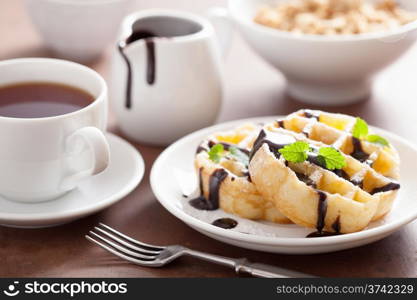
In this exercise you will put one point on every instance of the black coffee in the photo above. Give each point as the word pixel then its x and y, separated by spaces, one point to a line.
pixel 41 99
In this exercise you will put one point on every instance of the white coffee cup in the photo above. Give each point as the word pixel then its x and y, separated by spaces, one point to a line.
pixel 43 158
pixel 181 92
pixel 78 30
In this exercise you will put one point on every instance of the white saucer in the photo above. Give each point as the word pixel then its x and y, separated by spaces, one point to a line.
pixel 173 175
pixel 94 194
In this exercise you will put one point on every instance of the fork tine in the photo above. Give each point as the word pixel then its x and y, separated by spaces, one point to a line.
pixel 123 249
pixel 153 247
pixel 117 253
pixel 126 244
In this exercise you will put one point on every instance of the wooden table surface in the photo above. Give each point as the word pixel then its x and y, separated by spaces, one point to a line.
pixel 252 89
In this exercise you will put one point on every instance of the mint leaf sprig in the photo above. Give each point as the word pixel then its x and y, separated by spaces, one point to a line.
pixel 217 152
pixel 361 131
pixel 328 157
pixel 376 139
pixel 331 158
pixel 295 152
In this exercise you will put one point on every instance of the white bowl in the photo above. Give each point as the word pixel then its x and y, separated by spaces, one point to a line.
pixel 327 70
pixel 78 30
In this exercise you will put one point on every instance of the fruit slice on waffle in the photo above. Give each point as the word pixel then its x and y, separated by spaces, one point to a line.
pixel 222 164
pixel 325 170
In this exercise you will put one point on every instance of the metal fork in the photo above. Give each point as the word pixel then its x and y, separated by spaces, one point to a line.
pixel 147 255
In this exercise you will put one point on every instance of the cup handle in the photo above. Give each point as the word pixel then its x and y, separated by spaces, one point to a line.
pixel 223 26
pixel 97 142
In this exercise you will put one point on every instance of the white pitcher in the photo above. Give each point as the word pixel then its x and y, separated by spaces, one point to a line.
pixel 166 76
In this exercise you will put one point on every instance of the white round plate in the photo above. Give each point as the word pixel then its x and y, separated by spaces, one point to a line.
pixel 123 174
pixel 173 175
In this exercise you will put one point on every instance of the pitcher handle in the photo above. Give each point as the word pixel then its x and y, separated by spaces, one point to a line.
pixel 223 26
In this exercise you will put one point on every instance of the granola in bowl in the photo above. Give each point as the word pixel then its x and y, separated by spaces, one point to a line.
pixel 334 17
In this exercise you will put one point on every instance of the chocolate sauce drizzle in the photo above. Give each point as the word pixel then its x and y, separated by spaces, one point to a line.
pixel 358 152
pixel 312 114
pixel 313 158
pixel 216 180
pixel 200 180
pixel 321 210
pixel 225 223
pixel 201 148
pixel 247 174
pixel 392 186
pixel 336 225
pixel 305 179
pixel 357 182
pixel 275 141
pixel 212 202
pixel 316 234
pixel 200 203
pixel 341 173
pixel 362 156
pixel 147 36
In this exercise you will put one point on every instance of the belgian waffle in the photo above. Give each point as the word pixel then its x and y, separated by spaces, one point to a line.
pixel 226 184
pixel 344 200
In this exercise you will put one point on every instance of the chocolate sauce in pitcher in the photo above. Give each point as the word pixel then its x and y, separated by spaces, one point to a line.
pixel 148 37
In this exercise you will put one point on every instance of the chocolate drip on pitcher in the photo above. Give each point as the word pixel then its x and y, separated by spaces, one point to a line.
pixel 150 58
pixel 128 98
pixel 151 61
